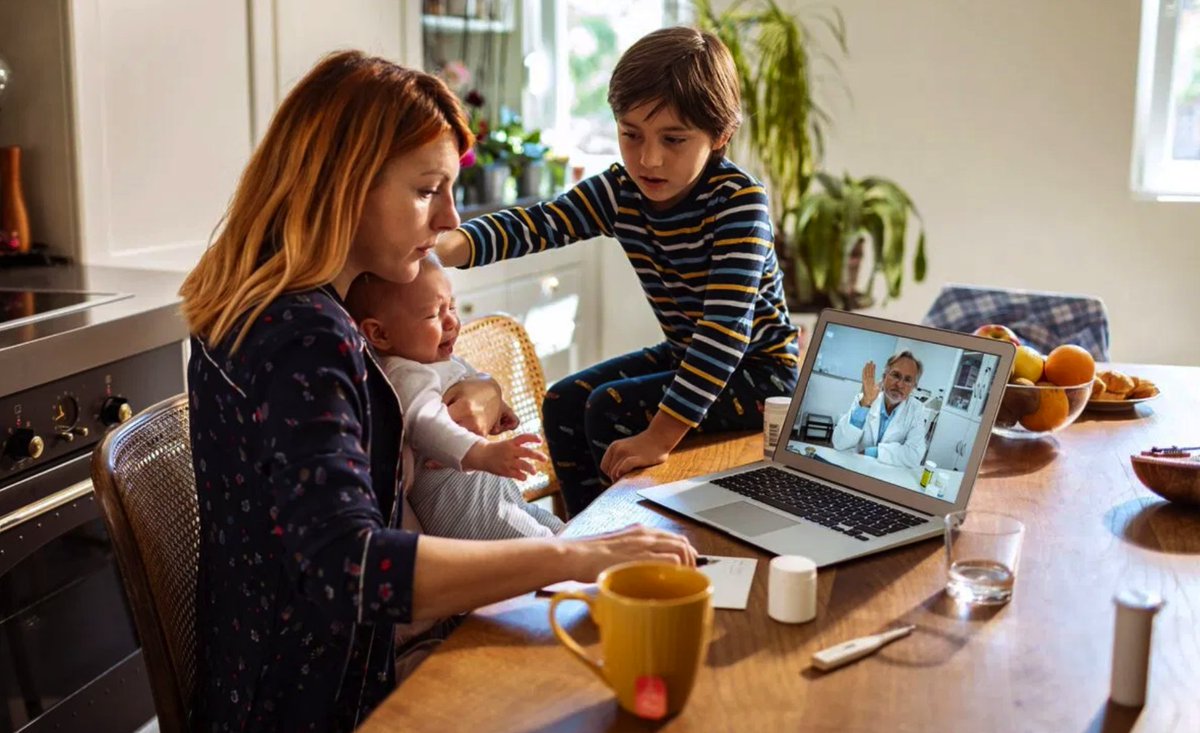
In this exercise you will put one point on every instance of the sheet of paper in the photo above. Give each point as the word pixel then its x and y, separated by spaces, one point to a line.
pixel 731 579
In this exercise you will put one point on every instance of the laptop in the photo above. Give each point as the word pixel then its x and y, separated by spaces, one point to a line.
pixel 846 480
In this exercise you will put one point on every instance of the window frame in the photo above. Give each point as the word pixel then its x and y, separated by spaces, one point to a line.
pixel 551 111
pixel 1155 175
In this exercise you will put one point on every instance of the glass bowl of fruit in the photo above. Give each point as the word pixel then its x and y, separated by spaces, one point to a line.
pixel 1045 394
pixel 1030 410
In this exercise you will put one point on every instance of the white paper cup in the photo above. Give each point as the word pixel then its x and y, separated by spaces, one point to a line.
pixel 774 413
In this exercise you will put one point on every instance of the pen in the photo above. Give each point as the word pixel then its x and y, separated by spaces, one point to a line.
pixel 701 561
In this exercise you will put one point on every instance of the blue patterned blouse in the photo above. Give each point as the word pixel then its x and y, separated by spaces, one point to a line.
pixel 303 570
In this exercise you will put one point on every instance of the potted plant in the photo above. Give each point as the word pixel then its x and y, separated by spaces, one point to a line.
pixel 486 179
pixel 835 225
pixel 820 236
pixel 526 154
pixel 530 165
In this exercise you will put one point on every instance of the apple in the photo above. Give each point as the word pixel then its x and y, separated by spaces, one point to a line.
pixel 1029 364
pixel 998 332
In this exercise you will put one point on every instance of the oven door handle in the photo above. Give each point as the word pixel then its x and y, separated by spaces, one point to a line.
pixel 46 504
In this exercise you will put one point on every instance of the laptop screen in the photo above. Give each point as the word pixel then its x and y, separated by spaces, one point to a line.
pixel 891 407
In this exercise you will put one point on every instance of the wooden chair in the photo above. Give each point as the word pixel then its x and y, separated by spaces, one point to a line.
pixel 498 345
pixel 144 482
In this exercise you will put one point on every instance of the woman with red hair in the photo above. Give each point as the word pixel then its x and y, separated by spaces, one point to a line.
pixel 306 569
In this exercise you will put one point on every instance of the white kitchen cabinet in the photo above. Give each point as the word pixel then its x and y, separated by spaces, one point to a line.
pixel 952 440
pixel 306 30
pixel 139 115
pixel 164 126
pixel 553 303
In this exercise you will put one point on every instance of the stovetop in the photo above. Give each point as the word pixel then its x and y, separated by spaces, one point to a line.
pixel 20 306
pixel 61 320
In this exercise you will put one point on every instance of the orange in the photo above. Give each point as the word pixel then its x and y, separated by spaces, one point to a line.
pixel 1070 365
pixel 1051 412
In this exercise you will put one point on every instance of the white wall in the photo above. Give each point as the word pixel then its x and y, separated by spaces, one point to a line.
pixel 1010 123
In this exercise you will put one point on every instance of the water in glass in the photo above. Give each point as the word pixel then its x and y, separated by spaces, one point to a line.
pixel 984 582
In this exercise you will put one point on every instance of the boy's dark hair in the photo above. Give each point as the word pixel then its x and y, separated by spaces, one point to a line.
pixel 689 70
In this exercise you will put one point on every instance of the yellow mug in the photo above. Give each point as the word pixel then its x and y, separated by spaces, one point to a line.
pixel 655 622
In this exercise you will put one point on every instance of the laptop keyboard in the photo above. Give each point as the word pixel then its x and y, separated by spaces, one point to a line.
pixel 841 511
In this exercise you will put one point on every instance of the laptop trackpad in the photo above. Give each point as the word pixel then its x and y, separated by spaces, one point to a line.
pixel 745 519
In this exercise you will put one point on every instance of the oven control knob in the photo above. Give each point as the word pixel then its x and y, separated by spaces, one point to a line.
pixel 24 443
pixel 115 411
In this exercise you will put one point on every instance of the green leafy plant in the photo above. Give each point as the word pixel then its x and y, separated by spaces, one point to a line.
pixel 524 147
pixel 837 224
pixel 821 235
pixel 771 50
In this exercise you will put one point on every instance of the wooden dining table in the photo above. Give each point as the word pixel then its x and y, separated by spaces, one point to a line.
pixel 1040 663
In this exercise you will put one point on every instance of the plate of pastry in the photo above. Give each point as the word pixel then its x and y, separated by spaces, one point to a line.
pixel 1114 391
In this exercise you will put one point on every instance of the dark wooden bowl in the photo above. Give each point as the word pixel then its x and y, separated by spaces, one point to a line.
pixel 1174 479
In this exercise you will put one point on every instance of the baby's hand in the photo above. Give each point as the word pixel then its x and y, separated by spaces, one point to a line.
pixel 508 420
pixel 510 458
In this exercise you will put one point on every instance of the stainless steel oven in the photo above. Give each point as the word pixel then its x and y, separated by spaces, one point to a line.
pixel 69 654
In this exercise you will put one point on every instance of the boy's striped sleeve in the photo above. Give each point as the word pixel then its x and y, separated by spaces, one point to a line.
pixel 584 212
pixel 741 242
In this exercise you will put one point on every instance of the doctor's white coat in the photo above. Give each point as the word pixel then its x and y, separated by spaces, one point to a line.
pixel 903 442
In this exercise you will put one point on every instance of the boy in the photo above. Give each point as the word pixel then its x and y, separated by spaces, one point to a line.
pixel 698 232
pixel 414 328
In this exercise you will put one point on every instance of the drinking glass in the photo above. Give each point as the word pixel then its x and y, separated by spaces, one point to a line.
pixel 982 552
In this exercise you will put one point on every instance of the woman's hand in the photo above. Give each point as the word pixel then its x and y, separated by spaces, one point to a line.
pixel 475 404
pixel 628 454
pixel 592 555
pixel 870 387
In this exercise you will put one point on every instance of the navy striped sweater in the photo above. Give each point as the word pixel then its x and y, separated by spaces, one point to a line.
pixel 707 267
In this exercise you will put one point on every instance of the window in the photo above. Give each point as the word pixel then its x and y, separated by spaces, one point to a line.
pixel 585 39
pixel 1166 157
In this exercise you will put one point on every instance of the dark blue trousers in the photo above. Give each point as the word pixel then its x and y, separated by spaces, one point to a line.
pixel 617 398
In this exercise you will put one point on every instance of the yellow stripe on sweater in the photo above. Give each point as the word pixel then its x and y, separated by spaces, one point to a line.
pixel 743 240
pixel 677 416
pixel 503 236
pixel 561 215
pixel 702 375
pixel 727 331
pixel 734 288
pixel 595 217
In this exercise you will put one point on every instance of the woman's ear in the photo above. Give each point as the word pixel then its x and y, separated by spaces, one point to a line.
pixel 376 335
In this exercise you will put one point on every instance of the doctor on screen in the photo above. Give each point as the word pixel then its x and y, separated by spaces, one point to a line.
pixel 884 421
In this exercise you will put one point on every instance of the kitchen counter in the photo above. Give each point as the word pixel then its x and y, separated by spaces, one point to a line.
pixel 39 352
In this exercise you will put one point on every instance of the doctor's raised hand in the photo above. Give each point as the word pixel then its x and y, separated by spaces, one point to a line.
pixel 870 387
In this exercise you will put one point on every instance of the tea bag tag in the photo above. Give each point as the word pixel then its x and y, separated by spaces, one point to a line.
pixel 650 697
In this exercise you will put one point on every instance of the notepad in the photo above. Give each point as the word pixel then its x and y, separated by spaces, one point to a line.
pixel 731 580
